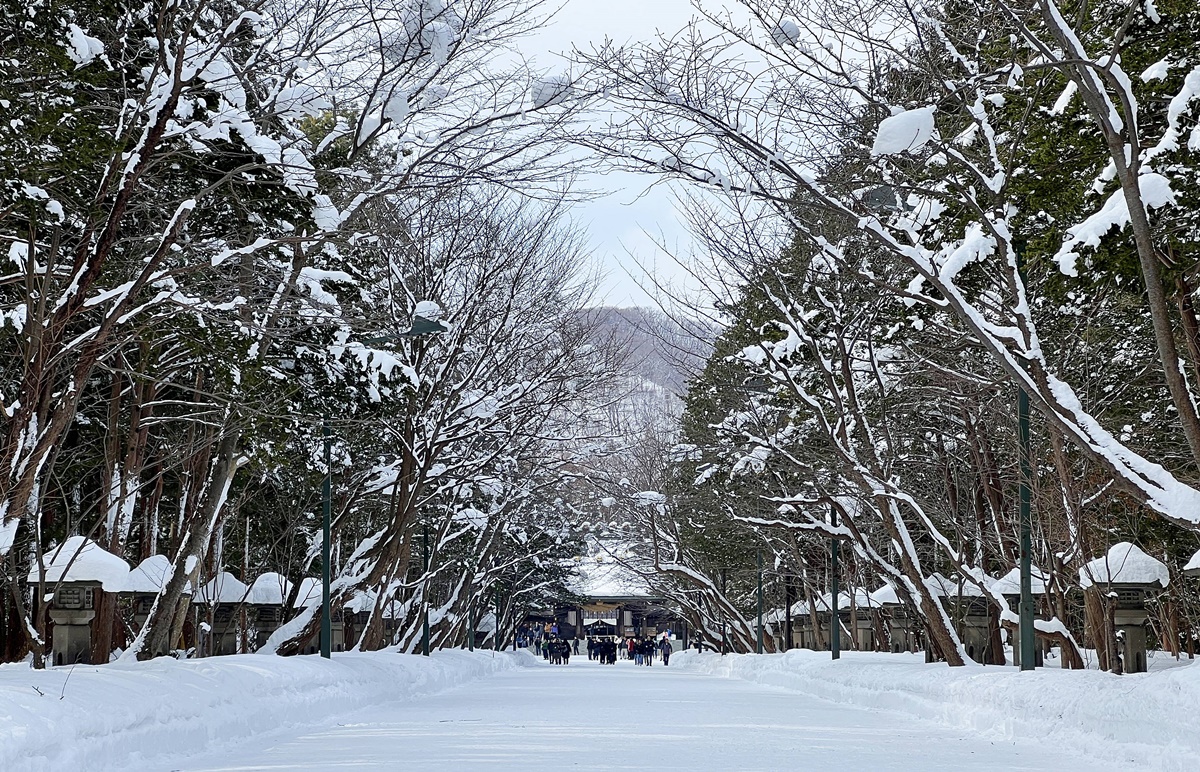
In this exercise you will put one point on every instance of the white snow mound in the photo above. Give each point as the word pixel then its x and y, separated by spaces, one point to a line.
pixel 552 90
pixel 908 131
pixel 785 33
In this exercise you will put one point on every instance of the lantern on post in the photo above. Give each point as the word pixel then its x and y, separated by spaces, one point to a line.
pixel 1130 576
pixel 76 572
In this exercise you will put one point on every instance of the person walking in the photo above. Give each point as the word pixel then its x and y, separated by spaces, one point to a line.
pixel 664 646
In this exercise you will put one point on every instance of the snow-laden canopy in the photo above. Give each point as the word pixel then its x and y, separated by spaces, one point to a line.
pixel 1125 563
pixel 1010 583
pixel 79 559
pixel 150 576
pixel 224 588
pixel 309 593
pixel 270 589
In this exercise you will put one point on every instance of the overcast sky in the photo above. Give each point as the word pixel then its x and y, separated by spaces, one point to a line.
pixel 618 222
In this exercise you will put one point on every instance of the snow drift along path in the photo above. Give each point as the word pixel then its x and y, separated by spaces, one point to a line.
pixel 1145 720
pixel 143 715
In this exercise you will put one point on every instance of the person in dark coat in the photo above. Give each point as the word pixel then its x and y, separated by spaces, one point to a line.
pixel 664 646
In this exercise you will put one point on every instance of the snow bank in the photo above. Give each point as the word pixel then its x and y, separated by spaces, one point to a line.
pixel 137 715
pixel 1142 719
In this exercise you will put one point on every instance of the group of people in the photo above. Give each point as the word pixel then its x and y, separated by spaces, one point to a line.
pixel 642 651
pixel 602 649
pixel 558 651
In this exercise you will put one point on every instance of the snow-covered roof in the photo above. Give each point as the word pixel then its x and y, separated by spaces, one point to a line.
pixel 1010 583
pixel 941 587
pixel 862 599
pixel 1193 566
pixel 364 602
pixel 486 623
pixel 79 559
pixel 269 589
pixel 309 593
pixel 224 588
pixel 601 576
pixel 886 595
pixel 150 576
pixel 1125 563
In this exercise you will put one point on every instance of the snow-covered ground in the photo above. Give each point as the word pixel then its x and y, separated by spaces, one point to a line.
pixel 149 715
pixel 1140 721
pixel 511 711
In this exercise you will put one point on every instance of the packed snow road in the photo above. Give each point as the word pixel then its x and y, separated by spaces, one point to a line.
pixel 623 717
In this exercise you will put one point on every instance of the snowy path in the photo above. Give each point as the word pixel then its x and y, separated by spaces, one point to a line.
pixel 622 717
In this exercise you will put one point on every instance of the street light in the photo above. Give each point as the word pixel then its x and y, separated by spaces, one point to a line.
pixel 425 322
pixel 835 620
pixel 425 590
pixel 1025 608
pixel 758 556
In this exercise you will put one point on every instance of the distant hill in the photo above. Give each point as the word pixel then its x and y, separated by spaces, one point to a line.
pixel 662 351
pixel 662 356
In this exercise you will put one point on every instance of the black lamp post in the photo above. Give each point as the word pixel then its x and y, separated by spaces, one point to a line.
pixel 1025 607
pixel 759 648
pixel 425 591
pixel 835 620
pixel 326 511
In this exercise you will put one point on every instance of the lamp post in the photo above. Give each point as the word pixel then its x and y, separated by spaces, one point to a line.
pixel 758 557
pixel 835 620
pixel 1025 608
pixel 496 634
pixel 425 591
pixel 471 625
pixel 425 322
pixel 326 512
pixel 723 631
pixel 787 612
